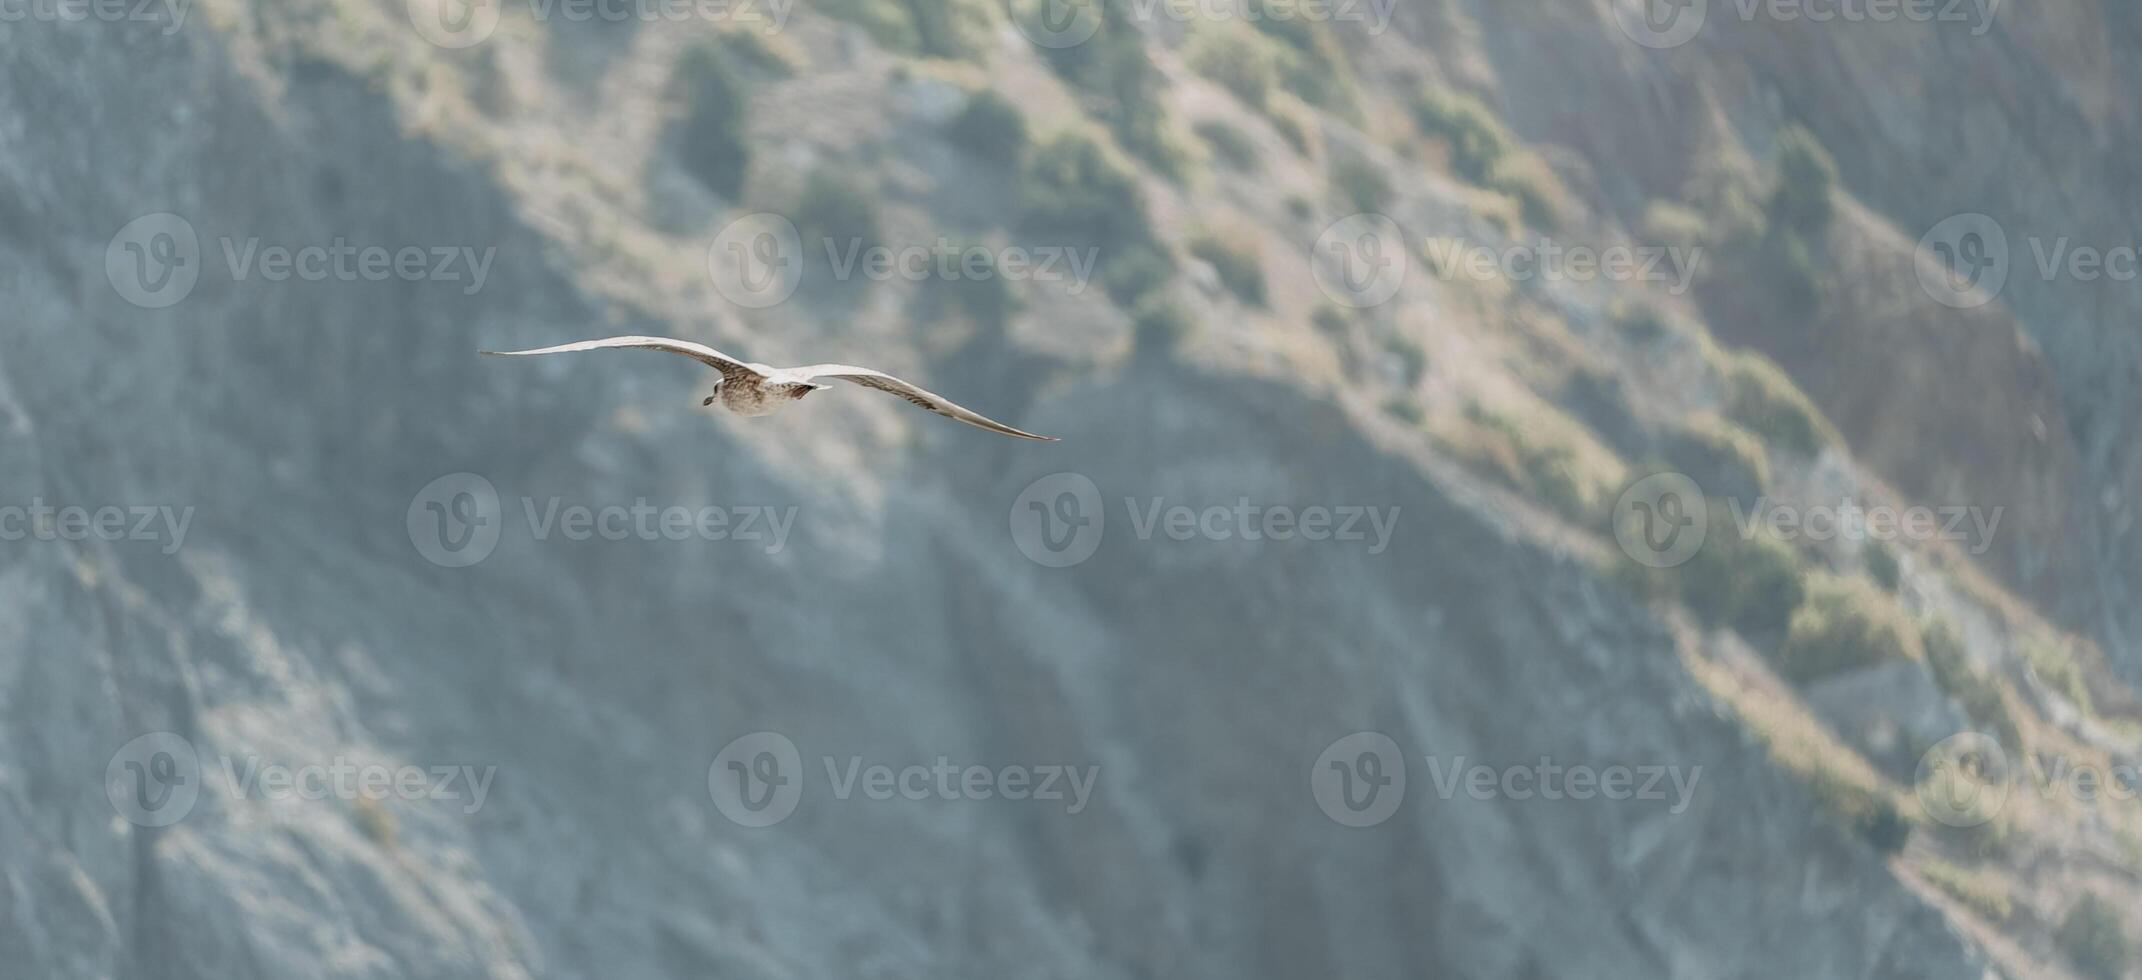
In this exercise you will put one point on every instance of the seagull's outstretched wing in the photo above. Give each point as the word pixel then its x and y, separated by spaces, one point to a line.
pixel 926 399
pixel 730 368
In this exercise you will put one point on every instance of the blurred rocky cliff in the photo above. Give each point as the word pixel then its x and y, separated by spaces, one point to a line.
pixel 595 164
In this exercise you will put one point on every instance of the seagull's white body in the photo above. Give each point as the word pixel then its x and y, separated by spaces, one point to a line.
pixel 752 389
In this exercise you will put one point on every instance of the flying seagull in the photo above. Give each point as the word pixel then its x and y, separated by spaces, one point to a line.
pixel 759 389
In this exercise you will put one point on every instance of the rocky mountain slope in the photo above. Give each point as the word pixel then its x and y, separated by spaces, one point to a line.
pixel 302 619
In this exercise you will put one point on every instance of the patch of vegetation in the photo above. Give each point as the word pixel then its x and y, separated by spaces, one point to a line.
pixel 1717 453
pixel 1753 584
pixel 1526 178
pixel 1483 152
pixel 1984 894
pixel 1845 624
pixel 931 28
pixel 1412 360
pixel 1882 566
pixel 1230 145
pixel 1674 225
pixel 1123 86
pixel 1978 693
pixel 1077 193
pixel 1842 784
pixel 374 821
pixel 1729 200
pixel 1877 820
pixel 1800 201
pixel 760 52
pixel 990 127
pixel 1641 322
pixel 1234 256
pixel 1160 327
pixel 1405 410
pixel 1783 244
pixel 1295 124
pixel 1763 399
pixel 2056 665
pixel 709 140
pixel 1478 143
pixel 1544 454
pixel 1241 62
pixel 1361 182
pixel 1310 63
pixel 1130 276
pixel 979 292
pixel 1332 321
pixel 2091 938
pixel 834 210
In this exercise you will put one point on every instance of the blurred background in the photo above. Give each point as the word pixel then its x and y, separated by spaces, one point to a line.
pixel 1587 489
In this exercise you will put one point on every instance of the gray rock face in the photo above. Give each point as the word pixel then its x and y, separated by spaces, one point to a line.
pixel 1891 713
